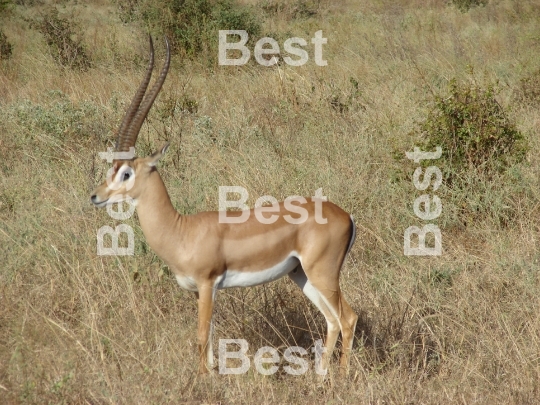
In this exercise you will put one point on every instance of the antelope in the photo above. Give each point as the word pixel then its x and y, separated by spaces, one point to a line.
pixel 207 255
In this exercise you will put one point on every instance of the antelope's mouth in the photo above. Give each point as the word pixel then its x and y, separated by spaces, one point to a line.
pixel 99 204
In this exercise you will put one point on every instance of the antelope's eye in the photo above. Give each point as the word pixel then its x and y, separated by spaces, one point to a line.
pixel 126 176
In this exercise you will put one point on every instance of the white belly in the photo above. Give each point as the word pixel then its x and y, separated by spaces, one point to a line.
pixel 235 278
pixel 186 282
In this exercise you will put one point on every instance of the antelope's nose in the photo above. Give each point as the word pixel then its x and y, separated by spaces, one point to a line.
pixel 93 199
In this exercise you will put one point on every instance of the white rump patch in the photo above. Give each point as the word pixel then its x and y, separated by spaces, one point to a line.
pixel 235 278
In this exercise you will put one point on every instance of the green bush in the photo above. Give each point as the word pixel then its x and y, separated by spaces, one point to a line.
pixel 4 5
pixel 474 132
pixel 6 49
pixel 64 38
pixel 191 25
pixel 291 10
pixel 466 5
pixel 127 10
pixel 481 150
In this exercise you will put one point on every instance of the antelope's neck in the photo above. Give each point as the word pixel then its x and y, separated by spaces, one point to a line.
pixel 160 222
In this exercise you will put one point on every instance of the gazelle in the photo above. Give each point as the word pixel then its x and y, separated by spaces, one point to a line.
pixel 206 255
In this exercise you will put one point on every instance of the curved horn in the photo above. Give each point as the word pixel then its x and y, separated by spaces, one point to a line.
pixel 134 106
pixel 136 123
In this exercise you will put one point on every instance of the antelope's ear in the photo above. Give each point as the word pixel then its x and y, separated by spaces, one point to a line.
pixel 154 157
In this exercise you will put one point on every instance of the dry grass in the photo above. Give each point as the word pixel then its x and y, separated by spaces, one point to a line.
pixel 79 328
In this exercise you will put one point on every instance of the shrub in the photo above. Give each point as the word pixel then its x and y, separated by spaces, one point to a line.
pixel 4 5
pixel 291 10
pixel 6 48
pixel 466 5
pixel 481 148
pixel 28 3
pixel 474 132
pixel 127 10
pixel 64 38
pixel 191 25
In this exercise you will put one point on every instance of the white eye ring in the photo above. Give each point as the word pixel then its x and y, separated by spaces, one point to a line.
pixel 127 178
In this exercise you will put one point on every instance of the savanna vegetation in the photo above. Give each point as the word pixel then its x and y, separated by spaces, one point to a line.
pixel 463 327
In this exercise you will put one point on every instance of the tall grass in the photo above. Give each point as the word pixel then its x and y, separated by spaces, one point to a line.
pixel 76 327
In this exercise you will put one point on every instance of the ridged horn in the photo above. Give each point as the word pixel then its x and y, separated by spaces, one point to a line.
pixel 135 125
pixel 134 106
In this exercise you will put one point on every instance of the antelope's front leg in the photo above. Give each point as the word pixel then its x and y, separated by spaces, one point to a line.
pixel 204 333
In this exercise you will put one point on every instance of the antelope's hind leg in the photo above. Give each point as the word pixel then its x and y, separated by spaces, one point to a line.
pixel 326 296
pixel 332 323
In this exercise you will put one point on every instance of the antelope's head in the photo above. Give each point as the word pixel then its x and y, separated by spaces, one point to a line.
pixel 126 177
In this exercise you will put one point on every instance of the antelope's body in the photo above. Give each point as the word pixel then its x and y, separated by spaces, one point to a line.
pixel 207 255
